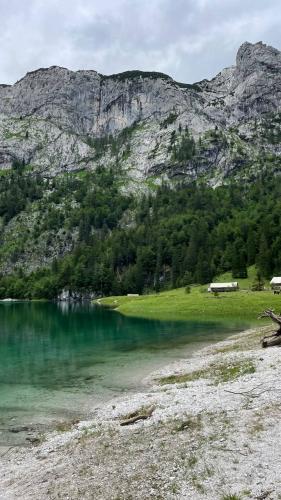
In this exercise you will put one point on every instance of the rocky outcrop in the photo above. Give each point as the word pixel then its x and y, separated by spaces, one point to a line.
pixel 55 120
pixel 75 296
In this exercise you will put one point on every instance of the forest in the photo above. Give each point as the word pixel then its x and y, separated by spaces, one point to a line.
pixel 173 235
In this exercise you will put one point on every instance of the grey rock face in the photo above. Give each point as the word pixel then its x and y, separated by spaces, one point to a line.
pixel 52 119
pixel 251 58
pixel 74 296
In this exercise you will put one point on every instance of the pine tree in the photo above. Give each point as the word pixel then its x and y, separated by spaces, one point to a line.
pixel 158 269
pixel 263 260
pixel 203 272
pixel 177 264
pixel 258 284
pixel 238 261
pixel 251 247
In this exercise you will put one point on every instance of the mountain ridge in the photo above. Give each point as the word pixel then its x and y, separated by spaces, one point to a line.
pixel 53 118
pixel 245 48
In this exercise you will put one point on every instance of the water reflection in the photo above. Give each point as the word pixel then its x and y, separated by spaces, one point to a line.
pixel 47 344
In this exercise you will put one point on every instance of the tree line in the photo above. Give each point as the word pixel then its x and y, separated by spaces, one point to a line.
pixel 174 236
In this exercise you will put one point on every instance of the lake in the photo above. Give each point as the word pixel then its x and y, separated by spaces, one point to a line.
pixel 60 361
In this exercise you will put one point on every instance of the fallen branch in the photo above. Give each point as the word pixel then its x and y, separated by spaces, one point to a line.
pixel 274 338
pixel 251 394
pixel 231 450
pixel 248 393
pixel 7 451
pixel 269 313
pixel 138 416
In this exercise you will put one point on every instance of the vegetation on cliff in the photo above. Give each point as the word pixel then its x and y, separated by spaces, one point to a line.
pixel 120 243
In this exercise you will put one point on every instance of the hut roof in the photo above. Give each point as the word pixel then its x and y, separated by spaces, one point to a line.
pixel 233 284
pixel 276 280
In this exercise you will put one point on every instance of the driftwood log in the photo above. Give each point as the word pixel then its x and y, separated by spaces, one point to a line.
pixel 274 338
pixel 134 417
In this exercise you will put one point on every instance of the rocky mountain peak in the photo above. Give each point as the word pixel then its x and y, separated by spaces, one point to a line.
pixel 43 73
pixel 257 56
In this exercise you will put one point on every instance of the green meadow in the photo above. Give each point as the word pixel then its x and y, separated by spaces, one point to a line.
pixel 243 305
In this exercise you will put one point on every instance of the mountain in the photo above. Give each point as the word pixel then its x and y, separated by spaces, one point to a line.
pixel 107 182
pixel 55 120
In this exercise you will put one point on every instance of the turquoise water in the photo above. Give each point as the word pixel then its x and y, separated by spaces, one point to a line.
pixel 60 361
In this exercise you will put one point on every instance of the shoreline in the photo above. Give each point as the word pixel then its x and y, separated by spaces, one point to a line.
pixel 213 432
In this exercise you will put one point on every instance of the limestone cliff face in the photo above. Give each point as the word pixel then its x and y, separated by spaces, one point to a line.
pixel 57 120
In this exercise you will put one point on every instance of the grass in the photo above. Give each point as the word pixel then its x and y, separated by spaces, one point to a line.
pixel 5 171
pixel 231 496
pixel 192 461
pixel 196 484
pixel 256 427
pixel 244 306
pixel 184 377
pixel 222 372
pixel 226 373
pixel 191 423
pixel 66 426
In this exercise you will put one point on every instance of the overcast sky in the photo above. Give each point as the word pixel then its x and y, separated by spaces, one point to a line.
pixel 188 39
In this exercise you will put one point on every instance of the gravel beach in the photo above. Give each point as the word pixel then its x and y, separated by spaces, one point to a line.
pixel 214 433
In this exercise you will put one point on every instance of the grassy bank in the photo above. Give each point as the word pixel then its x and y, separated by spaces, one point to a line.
pixel 243 305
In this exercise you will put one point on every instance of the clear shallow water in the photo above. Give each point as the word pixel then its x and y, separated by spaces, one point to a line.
pixel 59 361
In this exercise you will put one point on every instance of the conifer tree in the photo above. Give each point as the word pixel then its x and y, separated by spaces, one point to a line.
pixel 264 258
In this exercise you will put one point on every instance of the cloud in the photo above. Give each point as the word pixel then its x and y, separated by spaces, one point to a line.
pixel 188 39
